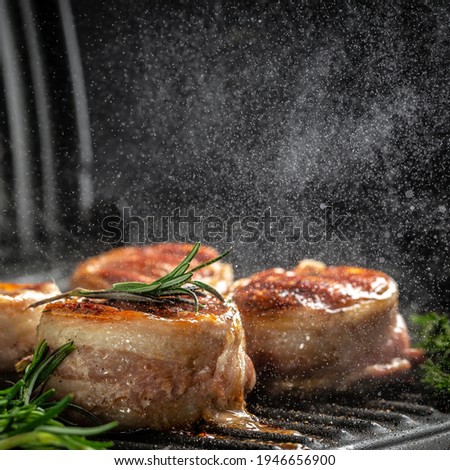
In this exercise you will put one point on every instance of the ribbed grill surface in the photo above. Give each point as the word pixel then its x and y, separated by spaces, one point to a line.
pixel 373 424
pixel 393 417
pixel 353 421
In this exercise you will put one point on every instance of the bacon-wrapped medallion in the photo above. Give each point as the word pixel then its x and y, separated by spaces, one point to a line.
pixel 156 366
pixel 323 327
pixel 17 322
pixel 148 263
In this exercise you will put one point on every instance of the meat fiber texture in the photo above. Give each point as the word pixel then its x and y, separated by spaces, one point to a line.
pixel 147 366
pixel 17 322
pixel 322 327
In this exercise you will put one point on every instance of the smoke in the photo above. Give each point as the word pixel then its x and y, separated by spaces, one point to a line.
pixel 232 109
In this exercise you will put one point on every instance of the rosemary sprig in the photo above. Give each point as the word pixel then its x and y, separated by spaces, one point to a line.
pixel 176 286
pixel 29 419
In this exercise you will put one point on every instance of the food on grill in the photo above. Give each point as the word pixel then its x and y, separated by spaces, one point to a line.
pixel 31 419
pixel 151 365
pixel 148 263
pixel 323 327
pixel 17 322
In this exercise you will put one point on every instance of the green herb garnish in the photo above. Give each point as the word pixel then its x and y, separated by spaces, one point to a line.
pixel 435 340
pixel 176 286
pixel 29 419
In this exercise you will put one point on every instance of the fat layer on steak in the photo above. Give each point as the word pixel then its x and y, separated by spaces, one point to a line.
pixel 148 263
pixel 149 366
pixel 323 327
pixel 17 322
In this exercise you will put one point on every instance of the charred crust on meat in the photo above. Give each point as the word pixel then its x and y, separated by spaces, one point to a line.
pixel 330 289
pixel 118 311
pixel 148 263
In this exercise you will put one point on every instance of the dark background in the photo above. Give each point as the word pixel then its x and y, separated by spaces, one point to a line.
pixel 230 108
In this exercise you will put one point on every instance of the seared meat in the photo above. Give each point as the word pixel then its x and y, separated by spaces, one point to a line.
pixel 150 366
pixel 320 327
pixel 148 263
pixel 17 323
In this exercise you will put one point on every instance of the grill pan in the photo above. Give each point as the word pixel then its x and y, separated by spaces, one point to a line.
pixel 350 422
pixel 323 93
pixel 393 416
pixel 379 425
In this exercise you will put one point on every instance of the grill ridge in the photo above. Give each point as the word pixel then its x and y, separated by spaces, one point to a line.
pixel 376 424
pixel 397 415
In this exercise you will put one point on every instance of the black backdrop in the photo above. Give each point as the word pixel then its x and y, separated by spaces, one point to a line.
pixel 332 111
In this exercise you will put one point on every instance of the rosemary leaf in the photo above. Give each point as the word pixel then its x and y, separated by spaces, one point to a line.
pixel 208 288
pixel 29 420
pixel 176 286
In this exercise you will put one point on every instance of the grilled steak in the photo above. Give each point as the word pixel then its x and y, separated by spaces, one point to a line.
pixel 148 263
pixel 319 327
pixel 17 322
pixel 154 366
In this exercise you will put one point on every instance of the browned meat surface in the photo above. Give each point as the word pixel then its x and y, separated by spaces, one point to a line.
pixel 149 366
pixel 148 263
pixel 323 327
pixel 17 323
